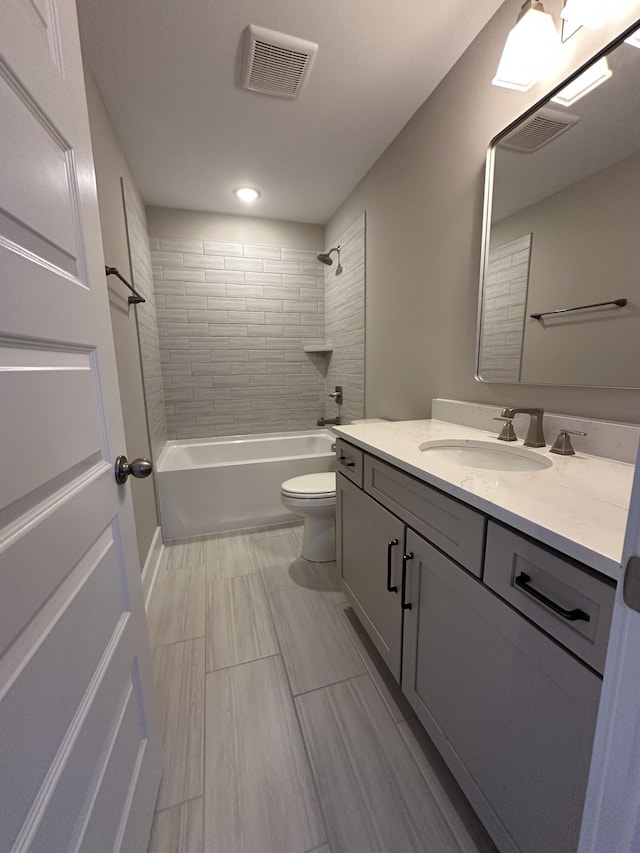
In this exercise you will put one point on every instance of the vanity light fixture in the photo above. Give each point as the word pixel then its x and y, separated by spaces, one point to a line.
pixel 247 194
pixel 586 82
pixel 634 40
pixel 591 14
pixel 528 48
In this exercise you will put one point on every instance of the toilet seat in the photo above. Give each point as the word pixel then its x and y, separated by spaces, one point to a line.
pixel 311 486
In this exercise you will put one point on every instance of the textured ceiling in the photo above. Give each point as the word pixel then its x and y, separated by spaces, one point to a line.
pixel 168 70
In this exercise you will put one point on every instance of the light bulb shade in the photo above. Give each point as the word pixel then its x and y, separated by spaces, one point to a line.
pixel 247 194
pixel 586 82
pixel 591 14
pixel 634 40
pixel 529 46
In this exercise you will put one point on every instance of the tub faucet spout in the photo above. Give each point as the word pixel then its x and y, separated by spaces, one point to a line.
pixel 328 421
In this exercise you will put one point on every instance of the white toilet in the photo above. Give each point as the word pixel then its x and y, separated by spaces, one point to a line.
pixel 313 496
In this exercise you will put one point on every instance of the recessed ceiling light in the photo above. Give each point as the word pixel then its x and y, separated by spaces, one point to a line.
pixel 247 194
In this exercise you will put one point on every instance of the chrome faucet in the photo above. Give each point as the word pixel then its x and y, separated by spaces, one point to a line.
pixel 535 435
pixel 328 421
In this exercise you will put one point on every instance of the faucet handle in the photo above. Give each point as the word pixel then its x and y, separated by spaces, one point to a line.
pixel 507 433
pixel 337 395
pixel 562 445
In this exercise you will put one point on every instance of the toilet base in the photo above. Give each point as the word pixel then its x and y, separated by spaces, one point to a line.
pixel 319 539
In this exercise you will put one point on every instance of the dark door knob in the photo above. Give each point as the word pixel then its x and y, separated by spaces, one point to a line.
pixel 139 468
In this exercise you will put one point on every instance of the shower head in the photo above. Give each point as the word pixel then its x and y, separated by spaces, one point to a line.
pixel 325 258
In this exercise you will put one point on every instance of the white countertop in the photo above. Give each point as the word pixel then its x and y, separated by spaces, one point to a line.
pixel 578 506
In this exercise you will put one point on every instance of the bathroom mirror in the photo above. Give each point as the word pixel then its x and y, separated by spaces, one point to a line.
pixel 561 235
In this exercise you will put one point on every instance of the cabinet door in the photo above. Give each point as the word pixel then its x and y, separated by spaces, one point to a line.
pixel 369 556
pixel 511 712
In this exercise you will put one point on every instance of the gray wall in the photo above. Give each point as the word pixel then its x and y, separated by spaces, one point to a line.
pixel 110 165
pixel 169 222
pixel 238 298
pixel 585 250
pixel 424 215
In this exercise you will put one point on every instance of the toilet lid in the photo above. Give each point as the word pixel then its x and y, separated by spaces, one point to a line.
pixel 311 485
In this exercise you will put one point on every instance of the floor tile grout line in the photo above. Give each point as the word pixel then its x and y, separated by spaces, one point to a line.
pixel 349 640
pixel 176 642
pixel 207 629
pixel 169 569
pixel 322 592
pixel 184 622
pixel 332 684
pixel 296 705
pixel 293 704
pixel 429 785
pixel 178 805
pixel 204 734
pixel 232 534
pixel 203 763
pixel 205 566
pixel 314 781
pixel 241 663
pixel 327 597
pixel 305 746
pixel 415 760
pixel 375 683
pixel 367 806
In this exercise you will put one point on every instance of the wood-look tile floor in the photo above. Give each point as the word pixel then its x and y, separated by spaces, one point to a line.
pixel 283 730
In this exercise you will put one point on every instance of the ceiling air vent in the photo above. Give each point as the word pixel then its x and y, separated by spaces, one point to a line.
pixel 275 63
pixel 540 129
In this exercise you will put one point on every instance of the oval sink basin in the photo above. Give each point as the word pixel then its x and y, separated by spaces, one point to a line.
pixel 484 454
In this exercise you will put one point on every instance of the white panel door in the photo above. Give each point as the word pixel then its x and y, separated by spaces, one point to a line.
pixel 79 741
pixel 611 819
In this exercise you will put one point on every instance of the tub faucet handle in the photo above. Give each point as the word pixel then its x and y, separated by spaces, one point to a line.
pixel 337 395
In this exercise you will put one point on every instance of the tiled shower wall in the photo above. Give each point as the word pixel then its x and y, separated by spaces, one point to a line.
pixel 150 356
pixel 233 319
pixel 344 321
pixel 503 307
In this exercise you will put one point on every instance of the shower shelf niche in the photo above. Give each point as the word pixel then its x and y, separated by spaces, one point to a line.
pixel 318 348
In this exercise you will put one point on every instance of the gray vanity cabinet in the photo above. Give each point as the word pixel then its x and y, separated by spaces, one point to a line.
pixel 512 713
pixel 369 557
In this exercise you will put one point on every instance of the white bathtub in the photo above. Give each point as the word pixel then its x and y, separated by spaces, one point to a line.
pixel 214 484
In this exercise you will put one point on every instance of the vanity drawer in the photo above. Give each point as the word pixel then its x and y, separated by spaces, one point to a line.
pixel 558 594
pixel 452 526
pixel 349 461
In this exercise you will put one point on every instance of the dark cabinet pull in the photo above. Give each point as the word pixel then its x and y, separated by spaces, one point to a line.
pixel 348 463
pixel 523 580
pixel 390 546
pixel 405 560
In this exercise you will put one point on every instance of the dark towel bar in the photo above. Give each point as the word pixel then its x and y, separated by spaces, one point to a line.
pixel 619 303
pixel 133 300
